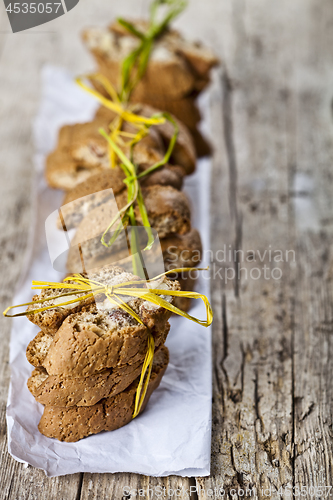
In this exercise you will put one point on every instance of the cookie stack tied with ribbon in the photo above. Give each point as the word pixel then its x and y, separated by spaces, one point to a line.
pixel 142 155
pixel 82 154
pixel 100 352
pixel 176 70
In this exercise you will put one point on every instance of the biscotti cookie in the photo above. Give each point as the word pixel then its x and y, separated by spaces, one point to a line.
pixel 76 203
pixel 90 149
pixel 169 175
pixel 62 172
pixel 187 283
pixel 168 213
pixel 94 340
pixel 50 320
pixel 183 153
pixel 52 390
pixel 38 348
pixel 82 151
pixel 186 110
pixel 177 72
pixel 175 69
pixel 72 424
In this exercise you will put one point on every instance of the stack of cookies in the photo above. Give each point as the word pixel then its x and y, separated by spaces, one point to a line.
pixel 178 70
pixel 88 358
pixel 82 152
pixel 80 165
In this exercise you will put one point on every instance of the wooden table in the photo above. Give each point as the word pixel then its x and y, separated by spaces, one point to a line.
pixel 271 115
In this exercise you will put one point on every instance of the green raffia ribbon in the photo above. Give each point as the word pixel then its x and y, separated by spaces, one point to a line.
pixel 135 288
pixel 135 64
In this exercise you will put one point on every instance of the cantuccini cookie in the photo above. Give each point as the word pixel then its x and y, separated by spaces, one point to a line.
pixel 182 250
pixel 83 152
pixel 176 67
pixel 177 72
pixel 187 282
pixel 168 213
pixel 63 172
pixel 76 203
pixel 183 153
pixel 52 390
pixel 50 320
pixel 74 423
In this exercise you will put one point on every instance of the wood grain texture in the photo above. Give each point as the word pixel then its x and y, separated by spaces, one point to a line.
pixel 273 371
pixel 272 122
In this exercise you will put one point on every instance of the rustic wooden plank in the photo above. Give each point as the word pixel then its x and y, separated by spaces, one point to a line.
pixel 126 486
pixel 313 210
pixel 253 374
pixel 266 384
pixel 252 436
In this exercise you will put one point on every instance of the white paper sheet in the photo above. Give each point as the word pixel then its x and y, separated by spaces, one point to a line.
pixel 173 435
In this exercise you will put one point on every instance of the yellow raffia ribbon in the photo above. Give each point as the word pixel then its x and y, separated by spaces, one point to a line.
pixel 122 110
pixel 91 288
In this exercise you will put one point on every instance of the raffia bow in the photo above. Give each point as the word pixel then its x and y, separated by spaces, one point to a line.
pixel 135 64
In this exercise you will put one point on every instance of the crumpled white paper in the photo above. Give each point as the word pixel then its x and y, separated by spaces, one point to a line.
pixel 173 435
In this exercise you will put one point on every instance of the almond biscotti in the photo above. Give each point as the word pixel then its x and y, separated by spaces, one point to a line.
pixel 178 70
pixel 91 193
pixel 92 341
pixel 50 320
pixel 176 67
pixel 51 390
pixel 72 424
pixel 82 151
pixel 183 153
pixel 187 283
pixel 182 250
pixel 168 213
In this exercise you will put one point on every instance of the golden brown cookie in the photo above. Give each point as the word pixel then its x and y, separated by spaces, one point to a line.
pixel 72 424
